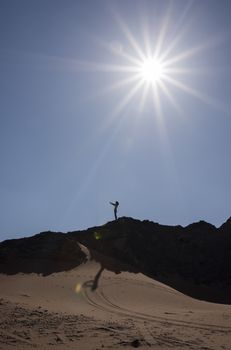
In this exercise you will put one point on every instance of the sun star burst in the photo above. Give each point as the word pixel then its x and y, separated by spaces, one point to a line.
pixel 151 69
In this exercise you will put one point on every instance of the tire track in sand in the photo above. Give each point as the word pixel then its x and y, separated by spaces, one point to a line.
pixel 101 301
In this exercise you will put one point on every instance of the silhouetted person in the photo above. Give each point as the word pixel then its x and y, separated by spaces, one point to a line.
pixel 116 204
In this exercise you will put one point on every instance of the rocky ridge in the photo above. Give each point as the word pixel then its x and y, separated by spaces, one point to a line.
pixel 195 259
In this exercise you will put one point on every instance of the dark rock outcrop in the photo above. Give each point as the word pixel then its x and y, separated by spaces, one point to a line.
pixel 226 226
pixel 195 259
pixel 44 253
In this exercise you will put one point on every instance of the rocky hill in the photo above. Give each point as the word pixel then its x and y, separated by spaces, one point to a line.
pixel 195 259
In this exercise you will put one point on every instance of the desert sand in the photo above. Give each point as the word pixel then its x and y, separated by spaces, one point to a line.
pixel 67 310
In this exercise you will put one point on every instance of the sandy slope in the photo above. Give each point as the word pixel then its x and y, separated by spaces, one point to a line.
pixel 125 311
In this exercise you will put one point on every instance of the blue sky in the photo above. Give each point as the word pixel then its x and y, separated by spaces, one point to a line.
pixel 79 129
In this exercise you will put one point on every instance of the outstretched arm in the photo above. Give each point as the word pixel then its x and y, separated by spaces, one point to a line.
pixel 112 203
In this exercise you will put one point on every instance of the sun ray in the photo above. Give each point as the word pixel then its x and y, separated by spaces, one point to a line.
pixel 127 98
pixel 199 71
pixel 194 50
pixel 143 97
pixel 176 40
pixel 169 96
pixel 128 57
pixel 118 52
pixel 185 71
pixel 120 107
pixel 183 19
pixel 146 36
pixel 157 106
pixel 104 67
pixel 114 87
pixel 197 94
pixel 130 38
pixel 119 84
pixel 161 36
pixel 185 54
pixel 189 90
pixel 182 28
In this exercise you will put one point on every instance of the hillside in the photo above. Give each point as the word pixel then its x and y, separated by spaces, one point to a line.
pixel 195 260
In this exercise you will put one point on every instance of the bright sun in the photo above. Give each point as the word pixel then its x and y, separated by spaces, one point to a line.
pixel 151 70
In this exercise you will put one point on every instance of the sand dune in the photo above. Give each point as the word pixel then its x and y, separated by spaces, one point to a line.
pixel 126 310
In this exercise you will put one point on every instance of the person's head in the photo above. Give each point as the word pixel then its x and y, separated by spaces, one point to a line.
pixel 117 203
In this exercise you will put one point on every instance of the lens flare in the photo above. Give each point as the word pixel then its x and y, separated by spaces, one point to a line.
pixel 78 288
pixel 97 235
